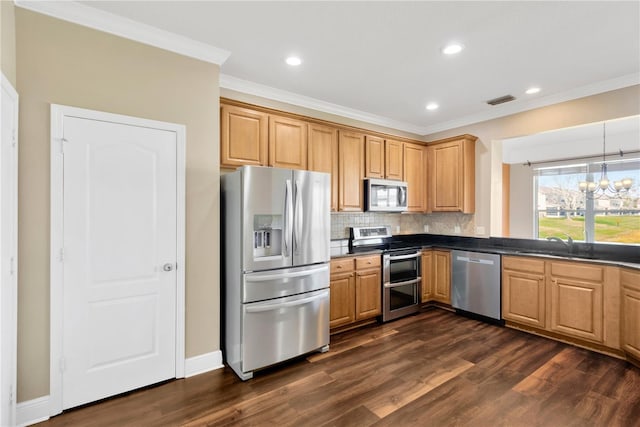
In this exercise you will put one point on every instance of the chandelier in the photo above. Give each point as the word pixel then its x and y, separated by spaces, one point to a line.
pixel 604 187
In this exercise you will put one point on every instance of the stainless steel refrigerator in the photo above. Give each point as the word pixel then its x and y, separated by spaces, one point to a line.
pixel 275 243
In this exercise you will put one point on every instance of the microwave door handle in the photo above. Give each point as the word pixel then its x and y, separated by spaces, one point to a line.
pixel 402 196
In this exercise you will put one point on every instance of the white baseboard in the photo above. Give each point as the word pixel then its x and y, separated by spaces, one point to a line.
pixel 37 410
pixel 32 411
pixel 203 363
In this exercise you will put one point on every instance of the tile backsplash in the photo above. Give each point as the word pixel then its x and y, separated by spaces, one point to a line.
pixel 438 223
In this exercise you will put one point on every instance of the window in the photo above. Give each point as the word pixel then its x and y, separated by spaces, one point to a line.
pixel 563 210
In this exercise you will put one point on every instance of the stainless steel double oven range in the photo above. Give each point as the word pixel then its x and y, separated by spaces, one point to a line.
pixel 401 269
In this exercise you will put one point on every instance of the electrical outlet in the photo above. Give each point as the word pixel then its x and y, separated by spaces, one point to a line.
pixel 456 229
pixel 426 228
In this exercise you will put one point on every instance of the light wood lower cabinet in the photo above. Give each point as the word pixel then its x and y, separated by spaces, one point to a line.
pixel 355 290
pixel 427 277
pixel 630 312
pixel 442 276
pixel 436 276
pixel 524 291
pixel 572 299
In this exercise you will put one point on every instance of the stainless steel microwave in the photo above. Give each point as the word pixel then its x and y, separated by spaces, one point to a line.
pixel 385 195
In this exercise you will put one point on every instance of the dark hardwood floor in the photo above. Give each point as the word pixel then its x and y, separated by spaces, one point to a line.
pixel 432 369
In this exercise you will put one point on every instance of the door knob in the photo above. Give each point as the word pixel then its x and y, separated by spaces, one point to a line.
pixel 168 267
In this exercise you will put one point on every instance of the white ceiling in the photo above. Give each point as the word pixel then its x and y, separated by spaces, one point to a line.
pixel 381 61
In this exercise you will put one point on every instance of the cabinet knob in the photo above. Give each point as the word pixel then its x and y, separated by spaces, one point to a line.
pixel 338 266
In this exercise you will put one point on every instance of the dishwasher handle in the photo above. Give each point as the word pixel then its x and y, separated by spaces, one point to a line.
pixel 475 260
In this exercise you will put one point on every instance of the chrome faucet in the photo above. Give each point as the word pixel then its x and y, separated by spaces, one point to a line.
pixel 568 243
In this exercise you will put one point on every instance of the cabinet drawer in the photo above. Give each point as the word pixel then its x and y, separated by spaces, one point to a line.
pixel 529 265
pixel 342 265
pixel 367 262
pixel 630 279
pixel 577 271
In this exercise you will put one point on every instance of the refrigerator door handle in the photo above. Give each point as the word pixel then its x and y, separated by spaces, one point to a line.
pixel 302 273
pixel 271 307
pixel 286 237
pixel 297 218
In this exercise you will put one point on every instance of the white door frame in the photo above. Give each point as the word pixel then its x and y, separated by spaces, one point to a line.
pixel 9 292
pixel 58 113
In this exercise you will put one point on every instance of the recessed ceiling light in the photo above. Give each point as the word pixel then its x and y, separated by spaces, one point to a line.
pixel 293 61
pixel 452 49
pixel 532 90
pixel 432 106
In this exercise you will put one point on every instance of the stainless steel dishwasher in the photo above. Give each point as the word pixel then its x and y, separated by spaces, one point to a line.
pixel 475 283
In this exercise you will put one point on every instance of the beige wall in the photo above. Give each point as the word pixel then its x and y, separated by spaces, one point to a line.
pixel 8 41
pixel 605 106
pixel 63 63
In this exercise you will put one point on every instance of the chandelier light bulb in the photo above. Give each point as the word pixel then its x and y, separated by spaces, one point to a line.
pixel 604 183
pixel 617 185
pixel 582 186
pixel 626 183
pixel 591 186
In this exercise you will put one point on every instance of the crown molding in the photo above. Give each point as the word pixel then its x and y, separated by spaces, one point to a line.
pixel 519 107
pixel 129 29
pixel 257 89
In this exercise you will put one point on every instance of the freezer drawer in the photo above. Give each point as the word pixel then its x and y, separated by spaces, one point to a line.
pixel 279 329
pixel 284 282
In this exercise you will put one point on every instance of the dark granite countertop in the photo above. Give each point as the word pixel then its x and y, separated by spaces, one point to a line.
pixel 605 253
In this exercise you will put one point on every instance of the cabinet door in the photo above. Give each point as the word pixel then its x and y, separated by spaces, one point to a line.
pixel 415 176
pixel 342 303
pixel 322 156
pixel 351 166
pixel 374 157
pixel 445 183
pixel 577 308
pixel 393 159
pixel 523 297
pixel 368 294
pixel 452 176
pixel 630 281
pixel 287 143
pixel 427 276
pixel 442 276
pixel 243 136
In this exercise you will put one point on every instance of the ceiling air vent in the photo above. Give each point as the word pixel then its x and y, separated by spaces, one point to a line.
pixel 501 100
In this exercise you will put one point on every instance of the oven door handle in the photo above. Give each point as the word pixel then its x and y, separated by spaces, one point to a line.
pixel 405 283
pixel 401 257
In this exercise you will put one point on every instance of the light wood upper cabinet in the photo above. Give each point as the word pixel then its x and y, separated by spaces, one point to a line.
pixel 243 136
pixel 451 166
pixel 524 291
pixel 393 158
pixel 323 155
pixel 351 171
pixel 374 157
pixel 414 158
pixel 287 143
pixel 427 275
pixel 441 276
pixel 630 312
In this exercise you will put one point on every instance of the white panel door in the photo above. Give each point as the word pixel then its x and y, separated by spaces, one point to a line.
pixel 8 250
pixel 119 321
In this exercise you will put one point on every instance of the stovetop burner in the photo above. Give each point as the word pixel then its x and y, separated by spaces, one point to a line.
pixel 378 237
